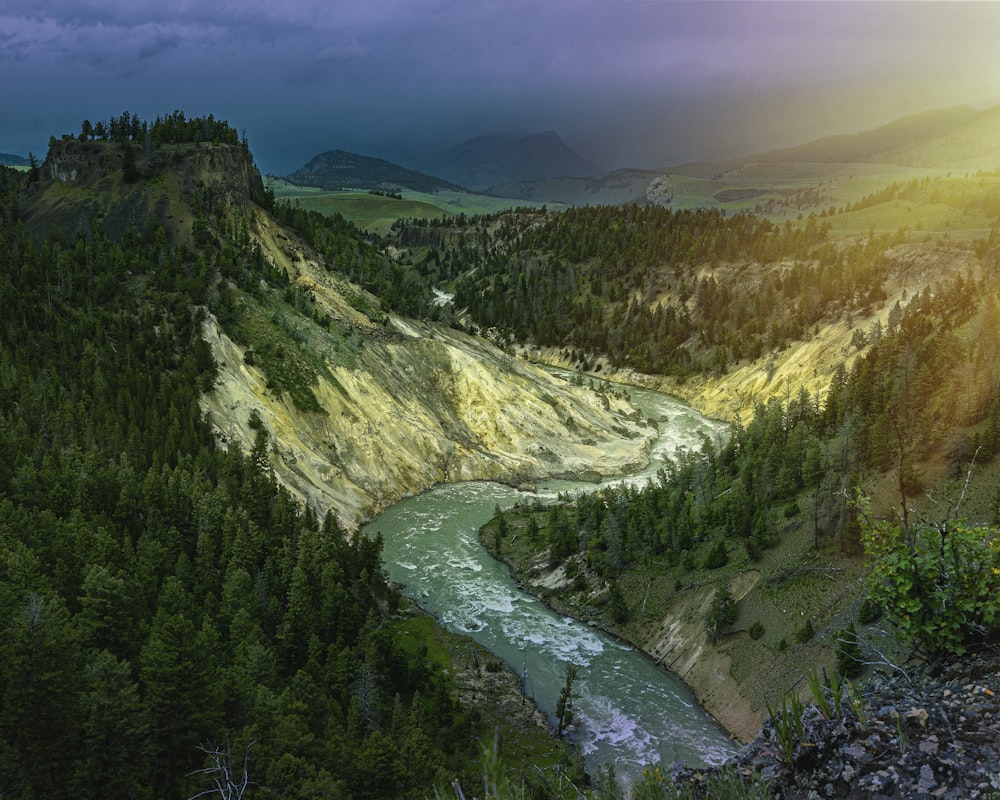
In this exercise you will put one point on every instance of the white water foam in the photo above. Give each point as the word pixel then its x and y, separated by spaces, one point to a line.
pixel 466 562
pixel 561 639
pixel 604 722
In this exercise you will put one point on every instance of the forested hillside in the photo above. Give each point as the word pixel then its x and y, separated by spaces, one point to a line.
pixel 910 399
pixel 169 615
pixel 895 454
pixel 664 292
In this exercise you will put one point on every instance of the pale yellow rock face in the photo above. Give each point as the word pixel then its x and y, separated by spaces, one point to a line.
pixel 432 406
pixel 424 404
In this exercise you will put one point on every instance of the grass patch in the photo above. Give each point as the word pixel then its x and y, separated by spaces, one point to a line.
pixel 376 214
pixel 275 348
pixel 423 629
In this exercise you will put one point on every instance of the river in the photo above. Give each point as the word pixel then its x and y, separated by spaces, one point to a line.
pixel 630 712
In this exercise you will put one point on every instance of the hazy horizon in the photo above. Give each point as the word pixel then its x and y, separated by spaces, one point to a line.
pixel 624 83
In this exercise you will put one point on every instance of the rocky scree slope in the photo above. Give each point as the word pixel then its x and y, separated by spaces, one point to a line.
pixel 929 731
pixel 422 405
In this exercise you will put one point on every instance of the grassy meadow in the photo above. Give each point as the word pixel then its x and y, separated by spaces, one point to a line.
pixel 376 213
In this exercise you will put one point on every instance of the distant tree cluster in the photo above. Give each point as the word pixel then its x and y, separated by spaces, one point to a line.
pixel 360 260
pixel 666 292
pixel 174 128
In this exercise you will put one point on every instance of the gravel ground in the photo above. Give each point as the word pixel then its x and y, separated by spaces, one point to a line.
pixel 933 732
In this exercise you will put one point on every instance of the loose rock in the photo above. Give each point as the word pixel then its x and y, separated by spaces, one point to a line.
pixel 930 733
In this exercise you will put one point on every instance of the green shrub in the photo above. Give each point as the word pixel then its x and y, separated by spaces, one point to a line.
pixel 869 612
pixel 617 607
pixel 939 584
pixel 756 630
pixel 717 556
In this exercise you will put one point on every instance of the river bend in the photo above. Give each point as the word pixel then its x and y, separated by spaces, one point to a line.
pixel 630 712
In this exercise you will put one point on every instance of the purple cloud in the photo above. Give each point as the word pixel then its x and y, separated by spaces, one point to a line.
pixel 641 82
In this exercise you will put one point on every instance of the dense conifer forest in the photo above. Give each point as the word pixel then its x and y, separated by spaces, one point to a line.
pixel 168 610
pixel 165 607
pixel 664 292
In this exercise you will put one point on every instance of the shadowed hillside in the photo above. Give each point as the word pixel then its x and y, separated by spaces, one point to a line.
pixel 337 169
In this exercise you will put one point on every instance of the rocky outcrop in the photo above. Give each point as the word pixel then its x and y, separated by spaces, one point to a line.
pixel 81 184
pixel 421 404
pixel 928 731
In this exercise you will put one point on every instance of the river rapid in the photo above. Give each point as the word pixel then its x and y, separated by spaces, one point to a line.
pixel 629 712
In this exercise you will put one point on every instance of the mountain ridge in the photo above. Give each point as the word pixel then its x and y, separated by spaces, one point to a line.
pixel 11 160
pixel 951 138
pixel 340 169
pixel 897 143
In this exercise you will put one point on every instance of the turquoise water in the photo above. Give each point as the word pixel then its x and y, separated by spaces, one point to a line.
pixel 629 711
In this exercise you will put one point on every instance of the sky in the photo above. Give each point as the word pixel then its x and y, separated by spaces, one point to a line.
pixel 626 83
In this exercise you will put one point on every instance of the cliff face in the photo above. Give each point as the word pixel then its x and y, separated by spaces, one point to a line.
pixel 423 404
pixel 82 183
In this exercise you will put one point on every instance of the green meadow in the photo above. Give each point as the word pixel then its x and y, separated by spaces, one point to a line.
pixel 376 213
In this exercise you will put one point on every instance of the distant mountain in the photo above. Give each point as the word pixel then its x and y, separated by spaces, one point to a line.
pixel 9 160
pixel 957 137
pixel 337 169
pixel 491 161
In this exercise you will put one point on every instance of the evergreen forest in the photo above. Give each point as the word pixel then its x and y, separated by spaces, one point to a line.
pixel 169 614
pixel 172 616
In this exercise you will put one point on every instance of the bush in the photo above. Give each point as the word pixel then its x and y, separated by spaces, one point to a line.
pixel 939 584
pixel 717 556
pixel 617 607
pixel 869 612
pixel 756 630
pixel 805 633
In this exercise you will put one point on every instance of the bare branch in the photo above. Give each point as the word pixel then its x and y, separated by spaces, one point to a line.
pixel 226 785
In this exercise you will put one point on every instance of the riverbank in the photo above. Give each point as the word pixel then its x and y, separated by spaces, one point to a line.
pixel 493 688
pixel 794 605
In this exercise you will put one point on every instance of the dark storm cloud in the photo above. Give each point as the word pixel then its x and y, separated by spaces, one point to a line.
pixel 625 81
pixel 159 44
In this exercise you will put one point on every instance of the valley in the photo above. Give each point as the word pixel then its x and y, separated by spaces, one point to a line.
pixel 377 214
pixel 218 390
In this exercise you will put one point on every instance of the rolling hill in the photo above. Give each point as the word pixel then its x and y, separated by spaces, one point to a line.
pixel 338 169
pixel 9 160
pixel 944 138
